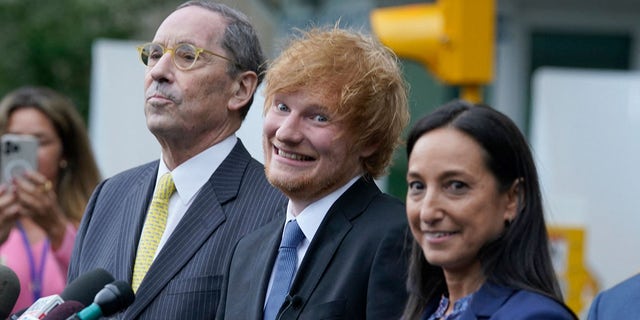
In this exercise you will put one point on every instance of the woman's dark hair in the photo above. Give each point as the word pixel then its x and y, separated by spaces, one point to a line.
pixel 520 257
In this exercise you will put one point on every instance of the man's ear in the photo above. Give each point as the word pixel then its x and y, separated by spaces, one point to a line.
pixel 244 86
pixel 368 150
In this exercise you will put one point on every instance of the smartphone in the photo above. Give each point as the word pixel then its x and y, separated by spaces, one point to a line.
pixel 17 153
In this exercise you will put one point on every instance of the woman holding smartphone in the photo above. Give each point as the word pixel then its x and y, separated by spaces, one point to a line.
pixel 41 209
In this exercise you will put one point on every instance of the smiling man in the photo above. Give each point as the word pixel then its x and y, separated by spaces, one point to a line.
pixel 335 107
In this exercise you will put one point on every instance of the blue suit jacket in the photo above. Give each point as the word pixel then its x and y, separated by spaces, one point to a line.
pixel 184 280
pixel 354 268
pixel 620 302
pixel 502 303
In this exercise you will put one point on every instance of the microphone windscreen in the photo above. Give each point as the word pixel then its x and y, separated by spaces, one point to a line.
pixel 64 311
pixel 9 290
pixel 84 288
pixel 115 297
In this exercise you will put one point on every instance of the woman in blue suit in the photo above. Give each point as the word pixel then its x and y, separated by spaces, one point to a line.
pixel 475 211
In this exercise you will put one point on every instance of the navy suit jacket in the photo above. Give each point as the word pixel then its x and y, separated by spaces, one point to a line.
pixel 185 279
pixel 354 268
pixel 620 302
pixel 502 303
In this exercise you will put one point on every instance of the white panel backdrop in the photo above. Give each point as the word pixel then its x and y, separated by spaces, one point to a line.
pixel 586 139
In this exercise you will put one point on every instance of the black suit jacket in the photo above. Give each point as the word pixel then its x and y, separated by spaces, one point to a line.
pixel 185 279
pixel 355 267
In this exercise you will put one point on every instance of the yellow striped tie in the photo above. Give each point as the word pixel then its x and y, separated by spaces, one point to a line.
pixel 153 229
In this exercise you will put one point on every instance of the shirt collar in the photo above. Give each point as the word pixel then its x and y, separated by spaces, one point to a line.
pixel 191 175
pixel 310 218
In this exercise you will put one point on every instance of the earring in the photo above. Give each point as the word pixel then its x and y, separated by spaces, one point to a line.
pixel 507 223
pixel 63 164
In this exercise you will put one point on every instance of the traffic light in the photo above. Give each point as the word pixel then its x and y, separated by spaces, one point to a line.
pixel 454 39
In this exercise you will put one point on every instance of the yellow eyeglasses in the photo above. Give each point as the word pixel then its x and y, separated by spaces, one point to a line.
pixel 184 56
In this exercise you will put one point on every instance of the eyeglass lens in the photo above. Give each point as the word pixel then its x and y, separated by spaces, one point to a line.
pixel 184 55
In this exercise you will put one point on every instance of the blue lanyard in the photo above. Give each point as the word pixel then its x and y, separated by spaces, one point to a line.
pixel 36 274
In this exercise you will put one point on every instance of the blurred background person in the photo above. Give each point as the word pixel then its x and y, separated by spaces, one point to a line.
pixel 474 207
pixel 41 210
pixel 619 302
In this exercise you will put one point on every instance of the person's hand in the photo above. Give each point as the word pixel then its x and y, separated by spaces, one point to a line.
pixel 38 200
pixel 9 212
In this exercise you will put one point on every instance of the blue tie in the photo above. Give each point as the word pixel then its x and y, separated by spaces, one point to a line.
pixel 284 269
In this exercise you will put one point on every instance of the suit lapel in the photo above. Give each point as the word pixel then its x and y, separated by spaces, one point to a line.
pixel 333 229
pixel 201 219
pixel 135 204
pixel 487 301
pixel 204 216
pixel 321 250
pixel 263 259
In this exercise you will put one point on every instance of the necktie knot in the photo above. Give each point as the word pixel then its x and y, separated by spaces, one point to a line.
pixel 165 187
pixel 292 235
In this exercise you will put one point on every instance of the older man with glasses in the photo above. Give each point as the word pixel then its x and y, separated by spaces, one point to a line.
pixel 168 226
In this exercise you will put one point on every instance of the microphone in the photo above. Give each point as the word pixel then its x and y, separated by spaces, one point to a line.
pixel 115 297
pixel 41 307
pixel 294 302
pixel 64 310
pixel 9 290
pixel 86 286
pixel 81 289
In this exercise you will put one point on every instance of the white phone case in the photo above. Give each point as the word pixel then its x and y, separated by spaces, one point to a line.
pixel 17 154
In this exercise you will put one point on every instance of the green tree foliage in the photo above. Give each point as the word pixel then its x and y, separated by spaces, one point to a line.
pixel 49 42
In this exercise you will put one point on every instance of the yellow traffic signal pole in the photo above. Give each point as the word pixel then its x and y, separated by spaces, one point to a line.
pixel 472 93
pixel 454 39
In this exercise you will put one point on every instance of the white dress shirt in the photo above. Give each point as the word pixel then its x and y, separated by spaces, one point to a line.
pixel 189 177
pixel 309 221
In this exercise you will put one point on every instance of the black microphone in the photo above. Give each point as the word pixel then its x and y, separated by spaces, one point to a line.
pixel 82 289
pixel 63 311
pixel 114 298
pixel 9 290
pixel 86 286
pixel 293 301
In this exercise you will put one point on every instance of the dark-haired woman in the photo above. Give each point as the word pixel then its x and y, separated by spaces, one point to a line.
pixel 475 211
